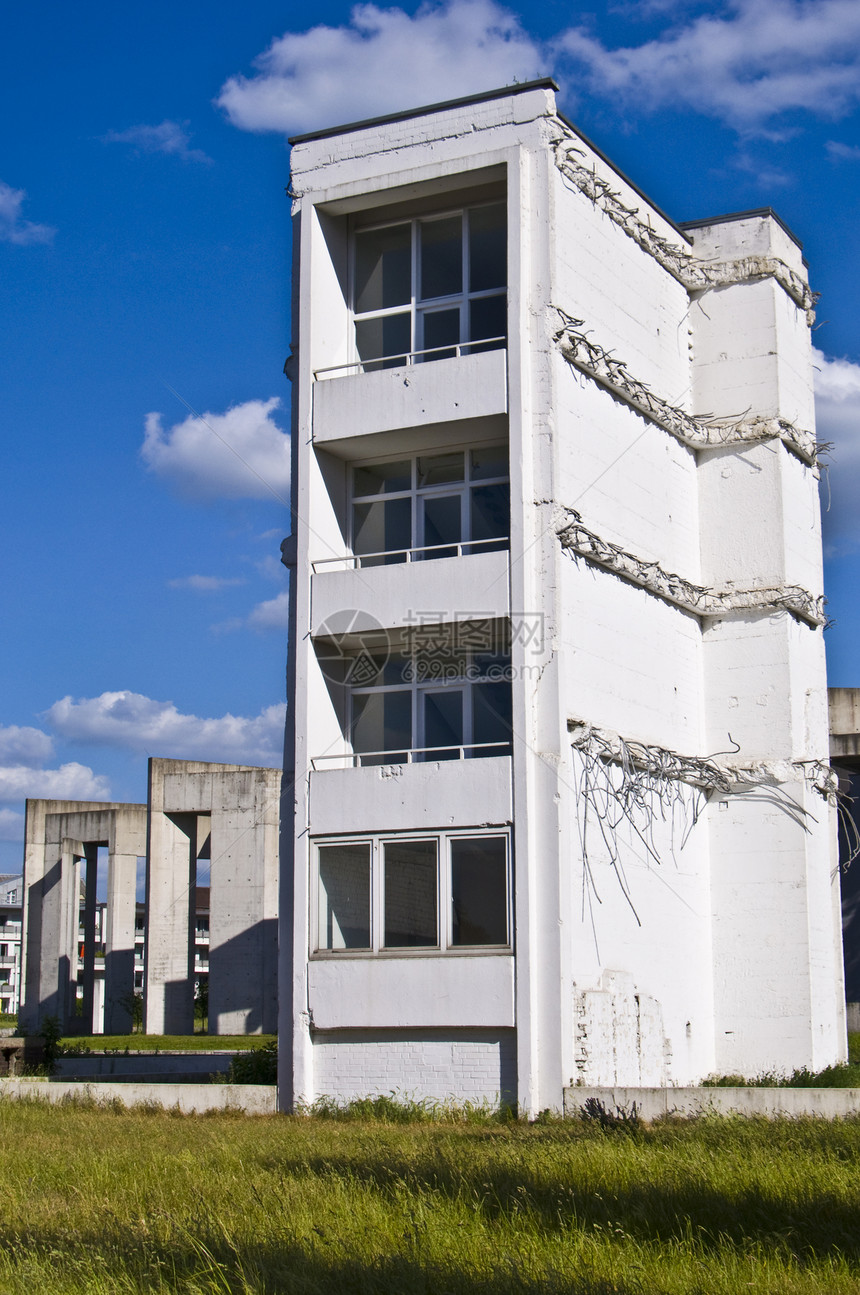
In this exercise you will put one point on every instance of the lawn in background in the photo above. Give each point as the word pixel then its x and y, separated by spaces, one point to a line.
pixel 108 1201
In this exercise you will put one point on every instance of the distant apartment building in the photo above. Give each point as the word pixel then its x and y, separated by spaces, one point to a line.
pixel 11 901
pixel 558 807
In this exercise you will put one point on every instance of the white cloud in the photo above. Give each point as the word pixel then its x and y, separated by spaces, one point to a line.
pixel 383 60
pixel 745 65
pixel 137 723
pixel 69 782
pixel 12 228
pixel 11 825
pixel 205 584
pixel 837 414
pixel 273 614
pixel 24 745
pixel 170 137
pixel 240 454
pixel 838 152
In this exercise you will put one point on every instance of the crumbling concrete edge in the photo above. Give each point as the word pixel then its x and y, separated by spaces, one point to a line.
pixel 695 275
pixel 591 359
pixel 699 600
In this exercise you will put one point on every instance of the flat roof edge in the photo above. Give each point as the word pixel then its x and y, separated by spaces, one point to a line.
pixel 542 83
pixel 743 215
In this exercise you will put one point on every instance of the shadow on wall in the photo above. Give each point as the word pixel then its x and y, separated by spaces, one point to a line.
pixel 243 981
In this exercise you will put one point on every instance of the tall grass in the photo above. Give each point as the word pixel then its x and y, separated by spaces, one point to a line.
pixel 107 1200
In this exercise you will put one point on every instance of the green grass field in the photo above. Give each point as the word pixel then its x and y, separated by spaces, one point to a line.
pixel 112 1201
pixel 167 1042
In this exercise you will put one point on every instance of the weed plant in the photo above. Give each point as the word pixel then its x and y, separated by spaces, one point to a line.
pixel 385 1199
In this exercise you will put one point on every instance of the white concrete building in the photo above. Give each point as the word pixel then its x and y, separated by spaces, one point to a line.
pixel 558 714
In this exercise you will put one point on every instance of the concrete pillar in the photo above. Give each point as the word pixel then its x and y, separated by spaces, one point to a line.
pixel 777 996
pixel 171 867
pixel 126 845
pixel 91 853
pixel 243 902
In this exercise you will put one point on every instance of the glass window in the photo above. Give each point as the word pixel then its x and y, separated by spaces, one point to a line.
pixel 344 896
pixel 479 901
pixel 382 531
pixel 384 336
pixel 487 247
pixel 403 879
pixel 441 245
pixel 442 714
pixel 426 286
pixel 382 722
pixel 400 508
pixel 382 478
pixel 411 894
pixel 383 268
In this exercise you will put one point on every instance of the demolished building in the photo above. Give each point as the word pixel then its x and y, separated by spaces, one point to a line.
pixel 557 731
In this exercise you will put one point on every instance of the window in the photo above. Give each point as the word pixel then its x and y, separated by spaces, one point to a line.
pixel 431 506
pixel 440 892
pixel 424 288
pixel 446 704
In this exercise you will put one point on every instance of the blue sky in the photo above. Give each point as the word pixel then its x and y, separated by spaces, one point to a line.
pixel 144 258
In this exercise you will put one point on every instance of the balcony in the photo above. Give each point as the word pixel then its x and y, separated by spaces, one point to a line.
pixel 466 584
pixel 418 794
pixel 349 405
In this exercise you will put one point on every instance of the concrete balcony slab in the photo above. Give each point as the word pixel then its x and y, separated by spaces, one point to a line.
pixel 412 797
pixel 472 587
pixel 360 404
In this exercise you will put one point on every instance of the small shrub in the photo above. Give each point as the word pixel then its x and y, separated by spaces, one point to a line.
pixel 257 1066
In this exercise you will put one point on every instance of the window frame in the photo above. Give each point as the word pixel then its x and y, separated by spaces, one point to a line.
pixel 417 493
pixel 417 307
pixel 444 947
pixel 418 687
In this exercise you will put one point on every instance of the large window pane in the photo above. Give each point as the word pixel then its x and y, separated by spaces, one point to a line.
pixel 383 478
pixel 441 328
pixel 388 335
pixel 491 515
pixel 479 890
pixel 384 527
pixel 441 523
pixel 488 259
pixel 344 897
pixel 410 895
pixel 489 461
pixel 441 257
pixel 383 268
pixel 491 717
pixel 488 319
pixel 443 723
pixel 382 721
pixel 440 469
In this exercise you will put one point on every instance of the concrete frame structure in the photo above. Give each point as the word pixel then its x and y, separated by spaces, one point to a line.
pixel 59 836
pixel 225 814
pixel 228 814
pixel 671 911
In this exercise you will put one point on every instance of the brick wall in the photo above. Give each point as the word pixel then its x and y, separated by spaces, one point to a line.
pixel 470 1065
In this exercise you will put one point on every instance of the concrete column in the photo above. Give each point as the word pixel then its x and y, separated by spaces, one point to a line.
pixel 91 853
pixel 171 860
pixel 776 985
pixel 243 902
